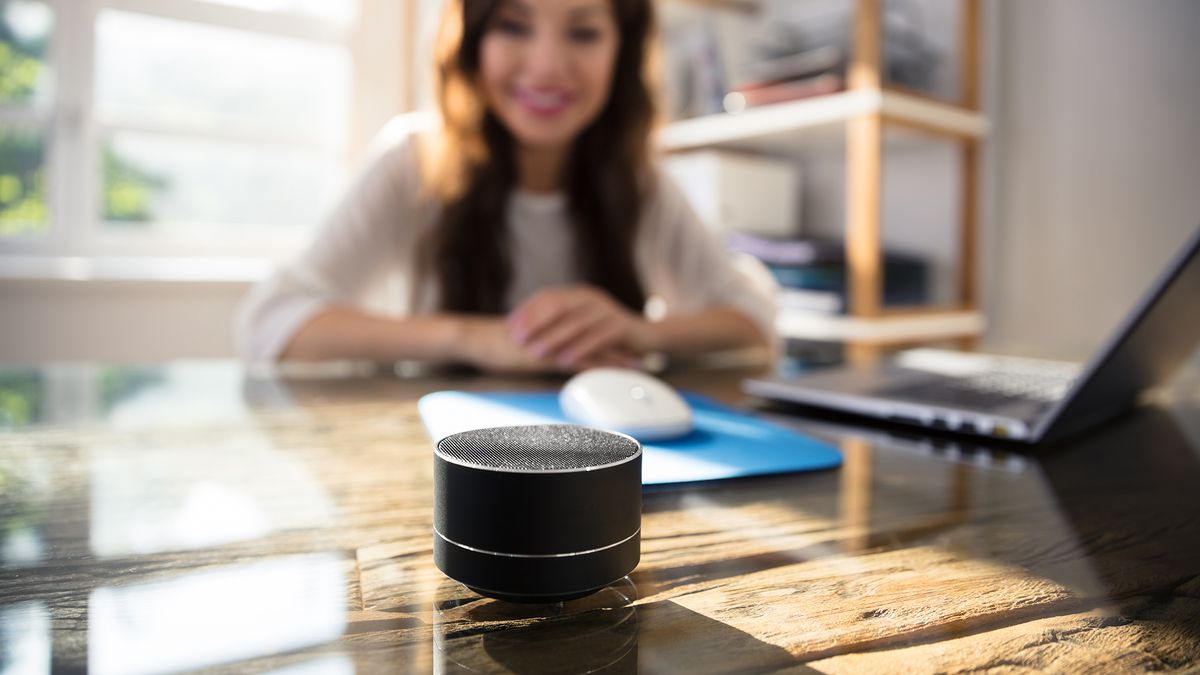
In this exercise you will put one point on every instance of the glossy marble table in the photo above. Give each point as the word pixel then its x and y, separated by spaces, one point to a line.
pixel 181 517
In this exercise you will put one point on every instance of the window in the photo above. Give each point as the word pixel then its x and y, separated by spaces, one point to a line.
pixel 25 83
pixel 149 128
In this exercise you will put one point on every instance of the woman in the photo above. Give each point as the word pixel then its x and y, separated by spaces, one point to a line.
pixel 527 232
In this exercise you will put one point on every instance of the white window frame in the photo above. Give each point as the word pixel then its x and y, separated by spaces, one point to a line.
pixel 379 42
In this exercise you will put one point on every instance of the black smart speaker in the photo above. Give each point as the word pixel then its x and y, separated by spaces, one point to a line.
pixel 541 513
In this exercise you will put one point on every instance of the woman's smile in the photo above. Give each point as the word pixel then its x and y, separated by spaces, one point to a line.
pixel 543 102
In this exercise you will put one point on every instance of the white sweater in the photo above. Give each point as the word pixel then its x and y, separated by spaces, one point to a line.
pixel 365 257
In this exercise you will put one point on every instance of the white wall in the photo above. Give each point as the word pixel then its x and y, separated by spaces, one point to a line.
pixel 126 321
pixel 1095 164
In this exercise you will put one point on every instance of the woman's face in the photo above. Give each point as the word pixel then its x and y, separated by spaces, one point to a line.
pixel 547 67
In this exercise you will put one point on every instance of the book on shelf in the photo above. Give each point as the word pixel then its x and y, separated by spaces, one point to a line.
pixel 792 66
pixel 808 300
pixel 744 97
pixel 789 251
pixel 787 77
pixel 812 273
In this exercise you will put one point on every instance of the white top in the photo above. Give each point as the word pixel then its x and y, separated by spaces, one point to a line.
pixel 365 257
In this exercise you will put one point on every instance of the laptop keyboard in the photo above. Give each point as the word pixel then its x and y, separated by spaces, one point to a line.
pixel 986 390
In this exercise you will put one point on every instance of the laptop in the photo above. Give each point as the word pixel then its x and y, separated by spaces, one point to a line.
pixel 1020 399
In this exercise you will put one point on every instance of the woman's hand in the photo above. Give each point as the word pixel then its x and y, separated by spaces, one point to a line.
pixel 488 344
pixel 577 327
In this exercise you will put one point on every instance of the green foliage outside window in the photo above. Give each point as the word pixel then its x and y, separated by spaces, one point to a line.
pixel 20 398
pixel 20 66
pixel 128 190
pixel 22 183
pixel 117 384
pixel 22 180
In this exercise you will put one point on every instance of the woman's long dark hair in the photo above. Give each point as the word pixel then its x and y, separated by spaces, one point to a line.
pixel 470 167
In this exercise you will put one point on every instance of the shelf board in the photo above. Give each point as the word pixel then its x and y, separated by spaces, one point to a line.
pixel 820 121
pixel 884 330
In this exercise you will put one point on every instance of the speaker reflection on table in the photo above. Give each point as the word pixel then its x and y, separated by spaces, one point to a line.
pixel 594 634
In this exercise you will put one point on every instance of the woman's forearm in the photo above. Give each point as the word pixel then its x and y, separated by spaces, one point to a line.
pixel 706 331
pixel 340 333
pixel 336 333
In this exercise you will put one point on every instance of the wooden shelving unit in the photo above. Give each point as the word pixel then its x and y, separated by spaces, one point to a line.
pixel 854 121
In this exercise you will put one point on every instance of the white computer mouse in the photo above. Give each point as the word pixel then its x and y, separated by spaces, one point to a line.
pixel 628 401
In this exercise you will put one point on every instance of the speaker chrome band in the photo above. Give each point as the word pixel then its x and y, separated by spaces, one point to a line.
pixel 535 555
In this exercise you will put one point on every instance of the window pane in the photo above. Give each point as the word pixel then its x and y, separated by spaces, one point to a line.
pixel 21 398
pixel 118 384
pixel 339 11
pixel 179 184
pixel 25 28
pixel 22 181
pixel 161 72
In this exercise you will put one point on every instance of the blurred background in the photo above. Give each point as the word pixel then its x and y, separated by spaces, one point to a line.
pixel 159 156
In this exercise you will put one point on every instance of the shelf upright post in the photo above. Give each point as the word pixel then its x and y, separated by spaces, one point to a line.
pixel 969 28
pixel 864 169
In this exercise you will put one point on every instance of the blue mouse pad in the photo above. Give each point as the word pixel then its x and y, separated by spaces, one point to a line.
pixel 725 443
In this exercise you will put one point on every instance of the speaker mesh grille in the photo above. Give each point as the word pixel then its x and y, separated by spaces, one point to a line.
pixel 545 447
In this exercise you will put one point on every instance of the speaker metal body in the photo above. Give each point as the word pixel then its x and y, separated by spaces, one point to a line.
pixel 540 513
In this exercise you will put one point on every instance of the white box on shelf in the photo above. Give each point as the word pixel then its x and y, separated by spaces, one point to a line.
pixel 739 192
